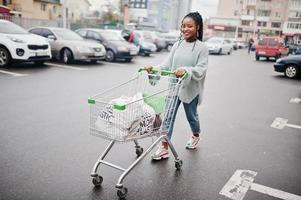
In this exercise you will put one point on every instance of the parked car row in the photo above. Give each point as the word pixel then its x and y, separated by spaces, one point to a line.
pixel 69 46
pixel 116 46
pixel 40 44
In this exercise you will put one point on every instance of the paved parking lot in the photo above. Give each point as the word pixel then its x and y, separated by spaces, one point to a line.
pixel 248 123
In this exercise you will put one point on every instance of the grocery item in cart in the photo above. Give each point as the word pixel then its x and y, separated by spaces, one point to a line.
pixel 137 119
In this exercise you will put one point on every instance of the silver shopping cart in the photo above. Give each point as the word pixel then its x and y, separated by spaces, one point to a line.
pixel 133 110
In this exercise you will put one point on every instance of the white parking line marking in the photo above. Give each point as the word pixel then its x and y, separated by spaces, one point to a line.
pixel 242 180
pixel 295 100
pixel 66 67
pixel 238 185
pixel 280 123
pixel 274 193
pixel 12 73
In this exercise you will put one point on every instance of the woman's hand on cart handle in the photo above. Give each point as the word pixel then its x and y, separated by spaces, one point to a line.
pixel 149 69
pixel 180 72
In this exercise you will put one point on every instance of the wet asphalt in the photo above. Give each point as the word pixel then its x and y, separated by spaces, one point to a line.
pixel 46 151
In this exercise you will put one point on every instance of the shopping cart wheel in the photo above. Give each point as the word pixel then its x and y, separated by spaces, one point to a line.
pixel 178 164
pixel 97 180
pixel 122 192
pixel 139 151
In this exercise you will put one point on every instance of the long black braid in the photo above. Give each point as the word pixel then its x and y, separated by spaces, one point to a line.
pixel 197 18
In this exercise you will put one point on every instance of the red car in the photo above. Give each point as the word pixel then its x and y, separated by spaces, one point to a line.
pixel 271 46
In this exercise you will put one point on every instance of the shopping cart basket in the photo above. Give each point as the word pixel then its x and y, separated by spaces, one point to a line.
pixel 143 110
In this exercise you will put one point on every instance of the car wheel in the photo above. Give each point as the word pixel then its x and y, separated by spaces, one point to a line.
pixel 67 56
pixel 147 54
pixel 291 71
pixel 5 58
pixel 169 47
pixel 110 56
pixel 230 51
pixel 257 57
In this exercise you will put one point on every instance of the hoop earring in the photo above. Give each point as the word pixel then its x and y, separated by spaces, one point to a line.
pixel 197 34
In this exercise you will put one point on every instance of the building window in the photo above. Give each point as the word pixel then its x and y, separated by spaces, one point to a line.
pixel 295 3
pixel 246 23
pixel 294 26
pixel 264 13
pixel 276 24
pixel 137 3
pixel 43 7
pixel 263 24
pixel 6 2
pixel 277 14
pixel 54 9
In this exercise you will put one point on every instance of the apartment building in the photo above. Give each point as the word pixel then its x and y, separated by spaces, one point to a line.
pixel 168 14
pixel 77 9
pixel 253 18
pixel 35 9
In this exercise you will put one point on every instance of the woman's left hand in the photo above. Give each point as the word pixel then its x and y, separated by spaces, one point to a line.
pixel 180 72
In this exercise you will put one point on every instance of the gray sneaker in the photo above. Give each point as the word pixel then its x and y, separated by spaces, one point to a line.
pixel 161 153
pixel 192 143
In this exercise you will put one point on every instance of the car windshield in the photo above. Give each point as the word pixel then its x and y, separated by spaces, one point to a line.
pixel 10 28
pixel 111 36
pixel 65 34
pixel 214 40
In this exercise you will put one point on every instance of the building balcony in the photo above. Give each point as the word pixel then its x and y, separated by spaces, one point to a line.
pixel 264 6
pixel 49 1
pixel 263 18
pixel 247 17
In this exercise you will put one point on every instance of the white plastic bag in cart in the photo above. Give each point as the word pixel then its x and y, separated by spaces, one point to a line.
pixel 136 119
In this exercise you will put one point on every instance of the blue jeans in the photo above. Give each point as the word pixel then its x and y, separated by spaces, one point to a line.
pixel 190 111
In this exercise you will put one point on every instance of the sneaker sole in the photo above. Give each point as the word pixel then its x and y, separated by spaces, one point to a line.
pixel 161 157
pixel 191 148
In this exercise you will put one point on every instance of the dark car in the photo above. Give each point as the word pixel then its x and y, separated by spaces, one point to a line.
pixel 290 65
pixel 116 46
pixel 298 51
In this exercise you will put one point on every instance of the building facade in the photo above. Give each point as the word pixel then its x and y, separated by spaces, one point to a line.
pixel 167 14
pixel 35 9
pixel 254 18
pixel 162 14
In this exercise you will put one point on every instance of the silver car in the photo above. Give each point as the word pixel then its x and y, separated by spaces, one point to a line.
pixel 68 46
pixel 219 45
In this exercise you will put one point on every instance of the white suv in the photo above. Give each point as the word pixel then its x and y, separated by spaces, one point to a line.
pixel 18 45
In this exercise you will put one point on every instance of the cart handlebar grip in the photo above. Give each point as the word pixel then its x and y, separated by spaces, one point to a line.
pixel 155 70
pixel 163 72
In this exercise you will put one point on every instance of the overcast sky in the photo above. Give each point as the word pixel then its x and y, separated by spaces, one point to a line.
pixel 207 8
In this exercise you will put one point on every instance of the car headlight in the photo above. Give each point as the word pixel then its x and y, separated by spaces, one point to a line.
pixel 83 49
pixel 121 48
pixel 279 60
pixel 16 39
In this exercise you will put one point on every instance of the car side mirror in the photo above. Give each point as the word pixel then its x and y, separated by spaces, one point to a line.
pixel 51 37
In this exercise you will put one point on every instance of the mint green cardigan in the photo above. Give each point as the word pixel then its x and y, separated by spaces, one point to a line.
pixel 193 57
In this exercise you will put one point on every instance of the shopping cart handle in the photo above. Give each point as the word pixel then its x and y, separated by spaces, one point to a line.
pixel 155 70
pixel 163 72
